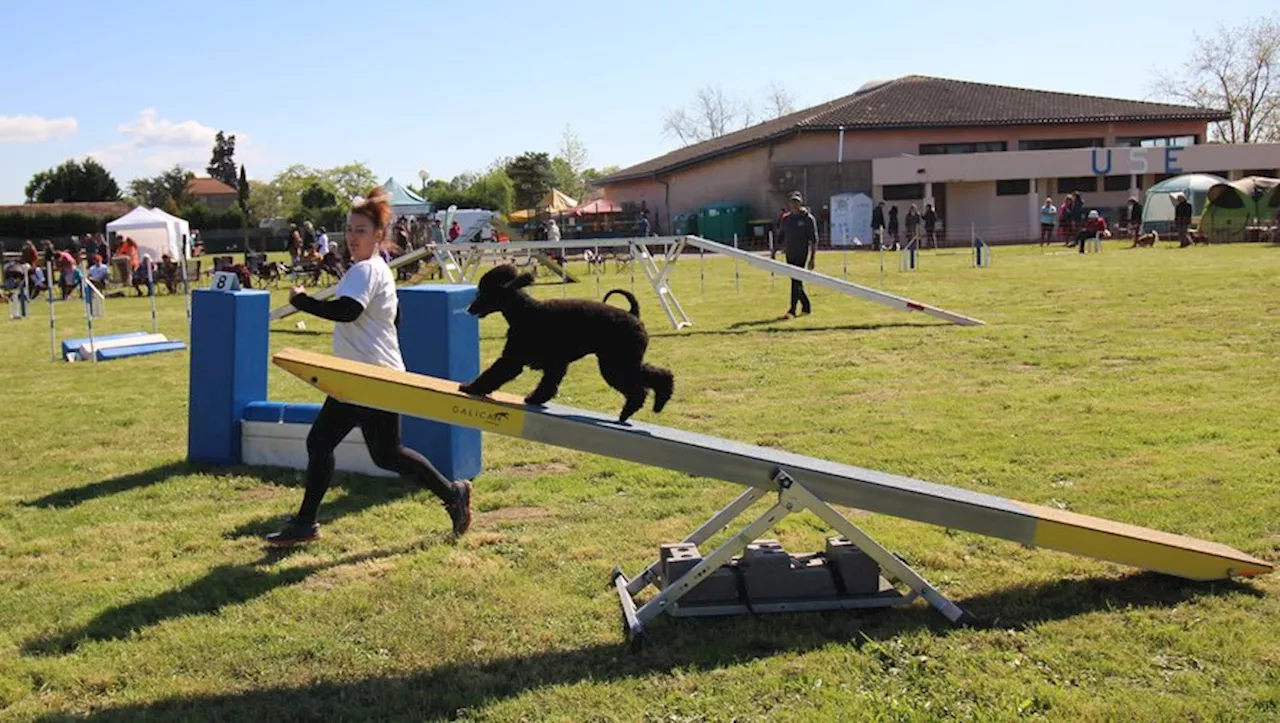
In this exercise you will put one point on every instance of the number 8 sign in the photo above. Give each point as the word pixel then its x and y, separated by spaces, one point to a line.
pixel 225 281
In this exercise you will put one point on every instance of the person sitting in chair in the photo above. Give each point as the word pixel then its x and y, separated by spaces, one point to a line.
pixel 1094 226
pixel 144 275
pixel 98 272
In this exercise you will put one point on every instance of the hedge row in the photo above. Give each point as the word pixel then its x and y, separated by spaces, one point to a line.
pixel 44 225
pixel 36 226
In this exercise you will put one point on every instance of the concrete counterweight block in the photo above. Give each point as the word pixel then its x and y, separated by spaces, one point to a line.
pixel 855 572
pixel 718 588
pixel 770 575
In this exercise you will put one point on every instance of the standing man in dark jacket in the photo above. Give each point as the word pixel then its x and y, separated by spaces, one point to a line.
pixel 930 219
pixel 1182 220
pixel 877 226
pixel 799 232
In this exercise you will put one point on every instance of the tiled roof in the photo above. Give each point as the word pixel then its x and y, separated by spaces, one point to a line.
pixel 209 187
pixel 916 101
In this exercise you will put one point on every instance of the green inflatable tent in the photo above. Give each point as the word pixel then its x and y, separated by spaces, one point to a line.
pixel 1233 206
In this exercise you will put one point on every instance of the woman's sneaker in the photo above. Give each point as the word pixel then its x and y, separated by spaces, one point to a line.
pixel 294 532
pixel 460 508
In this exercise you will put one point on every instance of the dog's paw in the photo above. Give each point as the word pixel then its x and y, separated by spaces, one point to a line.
pixel 469 389
pixel 533 401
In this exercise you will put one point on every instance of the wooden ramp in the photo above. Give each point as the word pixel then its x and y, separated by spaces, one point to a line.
pixel 702 455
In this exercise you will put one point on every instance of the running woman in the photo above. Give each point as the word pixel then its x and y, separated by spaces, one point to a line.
pixel 366 312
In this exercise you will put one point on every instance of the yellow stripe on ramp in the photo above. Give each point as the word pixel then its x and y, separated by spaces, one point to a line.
pixel 391 390
pixel 1141 547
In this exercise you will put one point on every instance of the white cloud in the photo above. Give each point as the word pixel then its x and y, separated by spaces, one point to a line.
pixel 33 129
pixel 149 130
pixel 153 144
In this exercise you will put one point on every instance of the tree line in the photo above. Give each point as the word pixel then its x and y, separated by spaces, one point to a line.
pixel 321 195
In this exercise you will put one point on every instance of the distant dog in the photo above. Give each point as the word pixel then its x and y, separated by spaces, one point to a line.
pixel 550 335
pixel 1146 239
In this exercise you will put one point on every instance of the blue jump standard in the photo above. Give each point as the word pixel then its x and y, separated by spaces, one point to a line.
pixel 230 354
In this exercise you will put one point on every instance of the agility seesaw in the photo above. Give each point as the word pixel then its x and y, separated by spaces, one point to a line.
pixel 658 272
pixel 800 483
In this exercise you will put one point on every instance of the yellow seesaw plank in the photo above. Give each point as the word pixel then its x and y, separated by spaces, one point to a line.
pixel 703 455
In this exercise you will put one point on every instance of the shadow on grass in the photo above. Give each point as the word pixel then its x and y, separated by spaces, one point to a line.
pixel 766 326
pixel 220 587
pixel 362 493
pixel 300 332
pixel 137 480
pixel 450 690
pixel 115 485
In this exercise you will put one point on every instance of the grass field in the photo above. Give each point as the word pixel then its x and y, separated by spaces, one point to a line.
pixel 1140 386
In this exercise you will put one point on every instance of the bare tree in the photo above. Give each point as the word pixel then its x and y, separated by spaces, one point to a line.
pixel 713 113
pixel 1234 70
pixel 573 151
pixel 778 101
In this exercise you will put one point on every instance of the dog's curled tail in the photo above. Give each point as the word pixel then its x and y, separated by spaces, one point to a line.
pixel 635 305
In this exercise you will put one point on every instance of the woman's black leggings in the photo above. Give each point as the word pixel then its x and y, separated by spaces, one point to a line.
pixel 381 435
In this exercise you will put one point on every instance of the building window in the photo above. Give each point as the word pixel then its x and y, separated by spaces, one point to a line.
pixel 1118 183
pixel 940 149
pixel 903 192
pixel 1083 184
pixel 1013 187
pixel 1055 144
pixel 1157 141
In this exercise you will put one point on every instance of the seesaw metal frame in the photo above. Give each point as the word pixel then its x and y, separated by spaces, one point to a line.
pixel 792 498
pixel 656 272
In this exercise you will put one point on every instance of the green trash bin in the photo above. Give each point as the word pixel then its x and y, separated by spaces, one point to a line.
pixel 685 224
pixel 720 221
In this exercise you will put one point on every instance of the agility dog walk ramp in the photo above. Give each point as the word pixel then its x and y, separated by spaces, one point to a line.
pixel 830 282
pixel 800 482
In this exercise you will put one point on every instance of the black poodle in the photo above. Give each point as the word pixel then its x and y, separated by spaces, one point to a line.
pixel 550 335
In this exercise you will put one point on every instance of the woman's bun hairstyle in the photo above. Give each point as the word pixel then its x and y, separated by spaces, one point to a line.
pixel 376 207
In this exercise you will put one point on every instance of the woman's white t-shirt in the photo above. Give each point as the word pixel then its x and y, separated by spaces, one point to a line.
pixel 372 337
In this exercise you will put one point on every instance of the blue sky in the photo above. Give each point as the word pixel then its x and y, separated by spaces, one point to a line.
pixel 448 87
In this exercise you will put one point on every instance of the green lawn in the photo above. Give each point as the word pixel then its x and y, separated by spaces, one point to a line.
pixel 1140 386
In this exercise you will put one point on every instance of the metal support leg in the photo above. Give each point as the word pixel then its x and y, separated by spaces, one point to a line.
pixel 706 531
pixel 792 497
pixel 889 562
pixel 470 265
pixel 449 265
pixel 657 277
pixel 705 567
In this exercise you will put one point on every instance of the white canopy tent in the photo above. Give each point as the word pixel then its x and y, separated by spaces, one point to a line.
pixel 155 234
pixel 181 230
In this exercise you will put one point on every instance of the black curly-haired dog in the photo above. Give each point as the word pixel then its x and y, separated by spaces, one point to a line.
pixel 550 335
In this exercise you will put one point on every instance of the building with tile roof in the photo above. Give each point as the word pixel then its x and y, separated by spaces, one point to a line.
pixel 985 155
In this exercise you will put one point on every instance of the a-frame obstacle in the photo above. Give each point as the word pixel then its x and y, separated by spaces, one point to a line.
pixel 799 482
